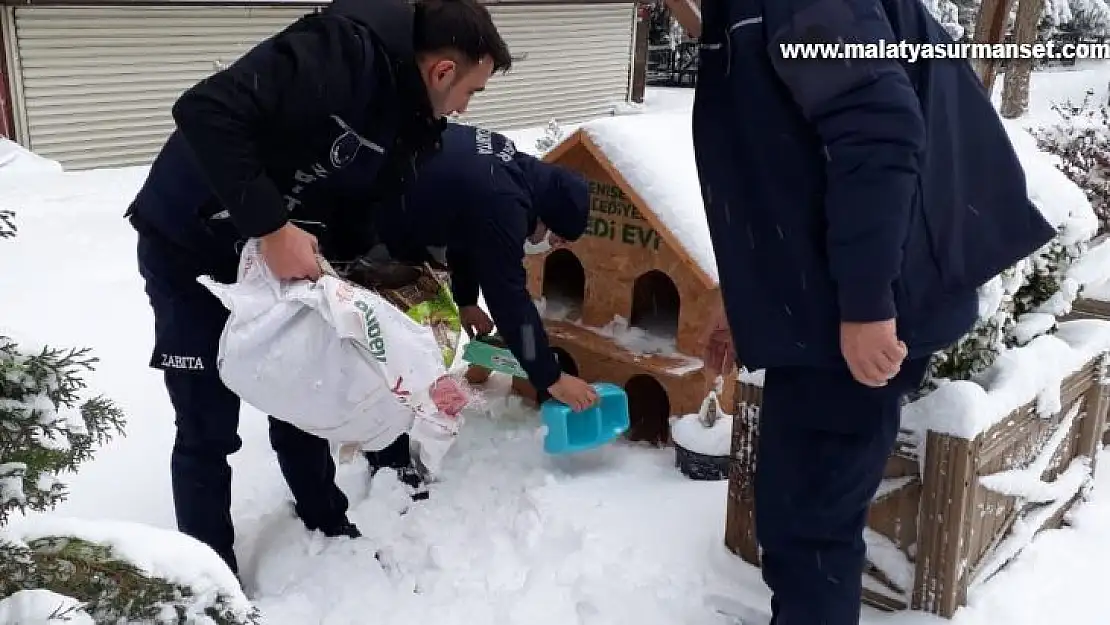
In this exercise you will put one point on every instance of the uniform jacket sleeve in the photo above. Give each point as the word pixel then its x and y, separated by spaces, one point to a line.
pixel 304 73
pixel 497 254
pixel 869 119
pixel 464 284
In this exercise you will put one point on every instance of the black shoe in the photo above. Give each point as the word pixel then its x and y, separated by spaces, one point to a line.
pixel 340 527
pixel 397 456
pixel 410 476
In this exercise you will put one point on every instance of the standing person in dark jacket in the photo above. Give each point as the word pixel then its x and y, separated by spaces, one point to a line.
pixel 291 144
pixel 483 201
pixel 855 207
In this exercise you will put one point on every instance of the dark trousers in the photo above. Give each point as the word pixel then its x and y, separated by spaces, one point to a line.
pixel 824 440
pixel 188 321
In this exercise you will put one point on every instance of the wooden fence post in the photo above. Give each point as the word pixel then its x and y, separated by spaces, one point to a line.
pixel 740 516
pixel 947 494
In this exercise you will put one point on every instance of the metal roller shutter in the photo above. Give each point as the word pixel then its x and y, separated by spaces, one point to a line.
pixel 577 65
pixel 96 84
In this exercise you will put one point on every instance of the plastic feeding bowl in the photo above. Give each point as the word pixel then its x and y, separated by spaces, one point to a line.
pixel 569 431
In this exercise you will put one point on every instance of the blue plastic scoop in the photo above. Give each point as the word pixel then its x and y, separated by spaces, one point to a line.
pixel 569 431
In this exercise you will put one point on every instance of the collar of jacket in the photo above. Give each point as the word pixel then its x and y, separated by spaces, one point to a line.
pixel 392 23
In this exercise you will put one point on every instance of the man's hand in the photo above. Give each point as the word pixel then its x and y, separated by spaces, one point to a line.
pixel 718 351
pixel 573 392
pixel 873 351
pixel 475 321
pixel 291 253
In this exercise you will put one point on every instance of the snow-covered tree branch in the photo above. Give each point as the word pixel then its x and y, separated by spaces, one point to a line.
pixel 48 429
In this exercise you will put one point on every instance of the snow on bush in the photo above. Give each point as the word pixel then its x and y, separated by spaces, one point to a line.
pixel 43 430
pixel 1083 17
pixel 124 572
pixel 47 430
pixel 1087 18
pixel 1038 285
pixel 1080 141
pixel 948 14
pixel 552 136
pixel 44 607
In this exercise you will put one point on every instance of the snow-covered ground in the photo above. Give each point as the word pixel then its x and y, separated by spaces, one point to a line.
pixel 510 536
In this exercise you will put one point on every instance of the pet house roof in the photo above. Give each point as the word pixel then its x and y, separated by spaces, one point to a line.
pixel 650 157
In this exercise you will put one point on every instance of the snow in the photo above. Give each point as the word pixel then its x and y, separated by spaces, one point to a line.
pixel 162 553
pixel 509 536
pixel 15 160
pixel 966 408
pixel 654 152
pixel 1026 483
pixel 1024 530
pixel 1092 272
pixel 11 482
pixel 689 432
pixel 43 607
pixel 754 378
pixel 1059 85
pixel 692 432
pixel 1060 200
pixel 656 100
pixel 635 340
pixel 888 558
pixel 1031 325
pixel 642 342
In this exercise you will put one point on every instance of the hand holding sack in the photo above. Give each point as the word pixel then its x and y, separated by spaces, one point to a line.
pixel 332 358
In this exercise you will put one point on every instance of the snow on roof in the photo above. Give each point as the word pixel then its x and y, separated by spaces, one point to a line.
pixel 654 152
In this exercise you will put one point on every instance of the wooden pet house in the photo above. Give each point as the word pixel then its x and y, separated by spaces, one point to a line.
pixel 629 301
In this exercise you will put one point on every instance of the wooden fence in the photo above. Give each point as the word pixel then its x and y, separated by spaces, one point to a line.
pixel 946 524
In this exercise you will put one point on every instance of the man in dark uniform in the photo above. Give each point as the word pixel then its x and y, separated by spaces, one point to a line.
pixel 855 207
pixel 483 201
pixel 291 144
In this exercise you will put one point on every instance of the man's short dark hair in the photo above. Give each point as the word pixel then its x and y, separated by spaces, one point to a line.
pixel 464 26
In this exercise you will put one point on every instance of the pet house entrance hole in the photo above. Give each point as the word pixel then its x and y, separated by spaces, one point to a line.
pixel 564 284
pixel 649 410
pixel 566 361
pixel 655 305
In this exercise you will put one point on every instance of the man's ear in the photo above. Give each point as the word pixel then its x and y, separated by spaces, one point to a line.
pixel 444 70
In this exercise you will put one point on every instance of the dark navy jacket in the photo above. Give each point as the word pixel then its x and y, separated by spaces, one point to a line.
pixel 481 198
pixel 858 190
pixel 314 125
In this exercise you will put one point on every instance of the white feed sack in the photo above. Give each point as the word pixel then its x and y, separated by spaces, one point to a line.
pixel 334 359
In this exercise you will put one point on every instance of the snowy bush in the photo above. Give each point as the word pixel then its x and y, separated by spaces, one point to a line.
pixel 1089 18
pixel 979 348
pixel 948 14
pixel 46 430
pixel 1086 18
pixel 1081 141
pixel 109 588
pixel 43 432
pixel 552 135
pixel 1025 300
